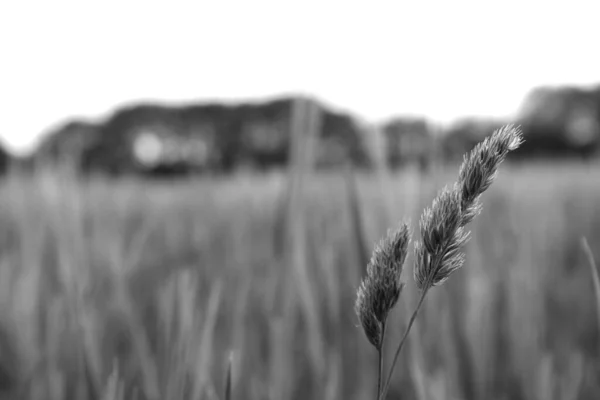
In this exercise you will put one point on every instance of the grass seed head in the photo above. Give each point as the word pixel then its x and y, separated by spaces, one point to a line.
pixel 380 289
pixel 439 222
pixel 439 254
pixel 480 166
pixel 422 268
pixel 364 309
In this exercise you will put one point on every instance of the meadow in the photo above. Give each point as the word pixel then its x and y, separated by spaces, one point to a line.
pixel 154 290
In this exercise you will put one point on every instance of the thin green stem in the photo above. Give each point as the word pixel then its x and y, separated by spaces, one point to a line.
pixel 383 393
pixel 380 355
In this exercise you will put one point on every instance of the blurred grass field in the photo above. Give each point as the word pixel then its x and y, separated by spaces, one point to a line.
pixel 157 284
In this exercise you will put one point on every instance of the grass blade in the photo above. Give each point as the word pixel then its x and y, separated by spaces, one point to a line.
pixel 595 278
pixel 356 219
pixel 228 378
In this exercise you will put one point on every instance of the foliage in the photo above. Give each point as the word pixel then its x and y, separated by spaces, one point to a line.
pixel 90 269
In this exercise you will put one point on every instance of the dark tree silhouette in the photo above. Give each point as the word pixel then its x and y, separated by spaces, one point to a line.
pixel 409 141
pixel 152 139
pixel 560 122
pixel 5 160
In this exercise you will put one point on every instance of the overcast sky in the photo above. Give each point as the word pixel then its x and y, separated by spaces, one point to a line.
pixel 443 59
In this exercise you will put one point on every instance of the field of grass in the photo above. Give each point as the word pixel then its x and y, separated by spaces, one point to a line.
pixel 144 290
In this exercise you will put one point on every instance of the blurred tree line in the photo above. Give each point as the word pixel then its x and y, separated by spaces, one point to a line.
pixel 158 140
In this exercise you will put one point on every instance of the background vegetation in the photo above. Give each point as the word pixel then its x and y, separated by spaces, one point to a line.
pixel 143 289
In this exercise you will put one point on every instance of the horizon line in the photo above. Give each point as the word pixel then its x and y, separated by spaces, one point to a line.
pixel 99 118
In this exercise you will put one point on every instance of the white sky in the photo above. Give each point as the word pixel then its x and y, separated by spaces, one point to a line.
pixel 443 59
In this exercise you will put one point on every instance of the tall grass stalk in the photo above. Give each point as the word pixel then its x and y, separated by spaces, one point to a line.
pixel 228 378
pixel 439 252
pixel 595 277
pixel 304 125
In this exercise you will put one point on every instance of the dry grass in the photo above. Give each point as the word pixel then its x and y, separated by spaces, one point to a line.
pixel 438 254
pixel 138 290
